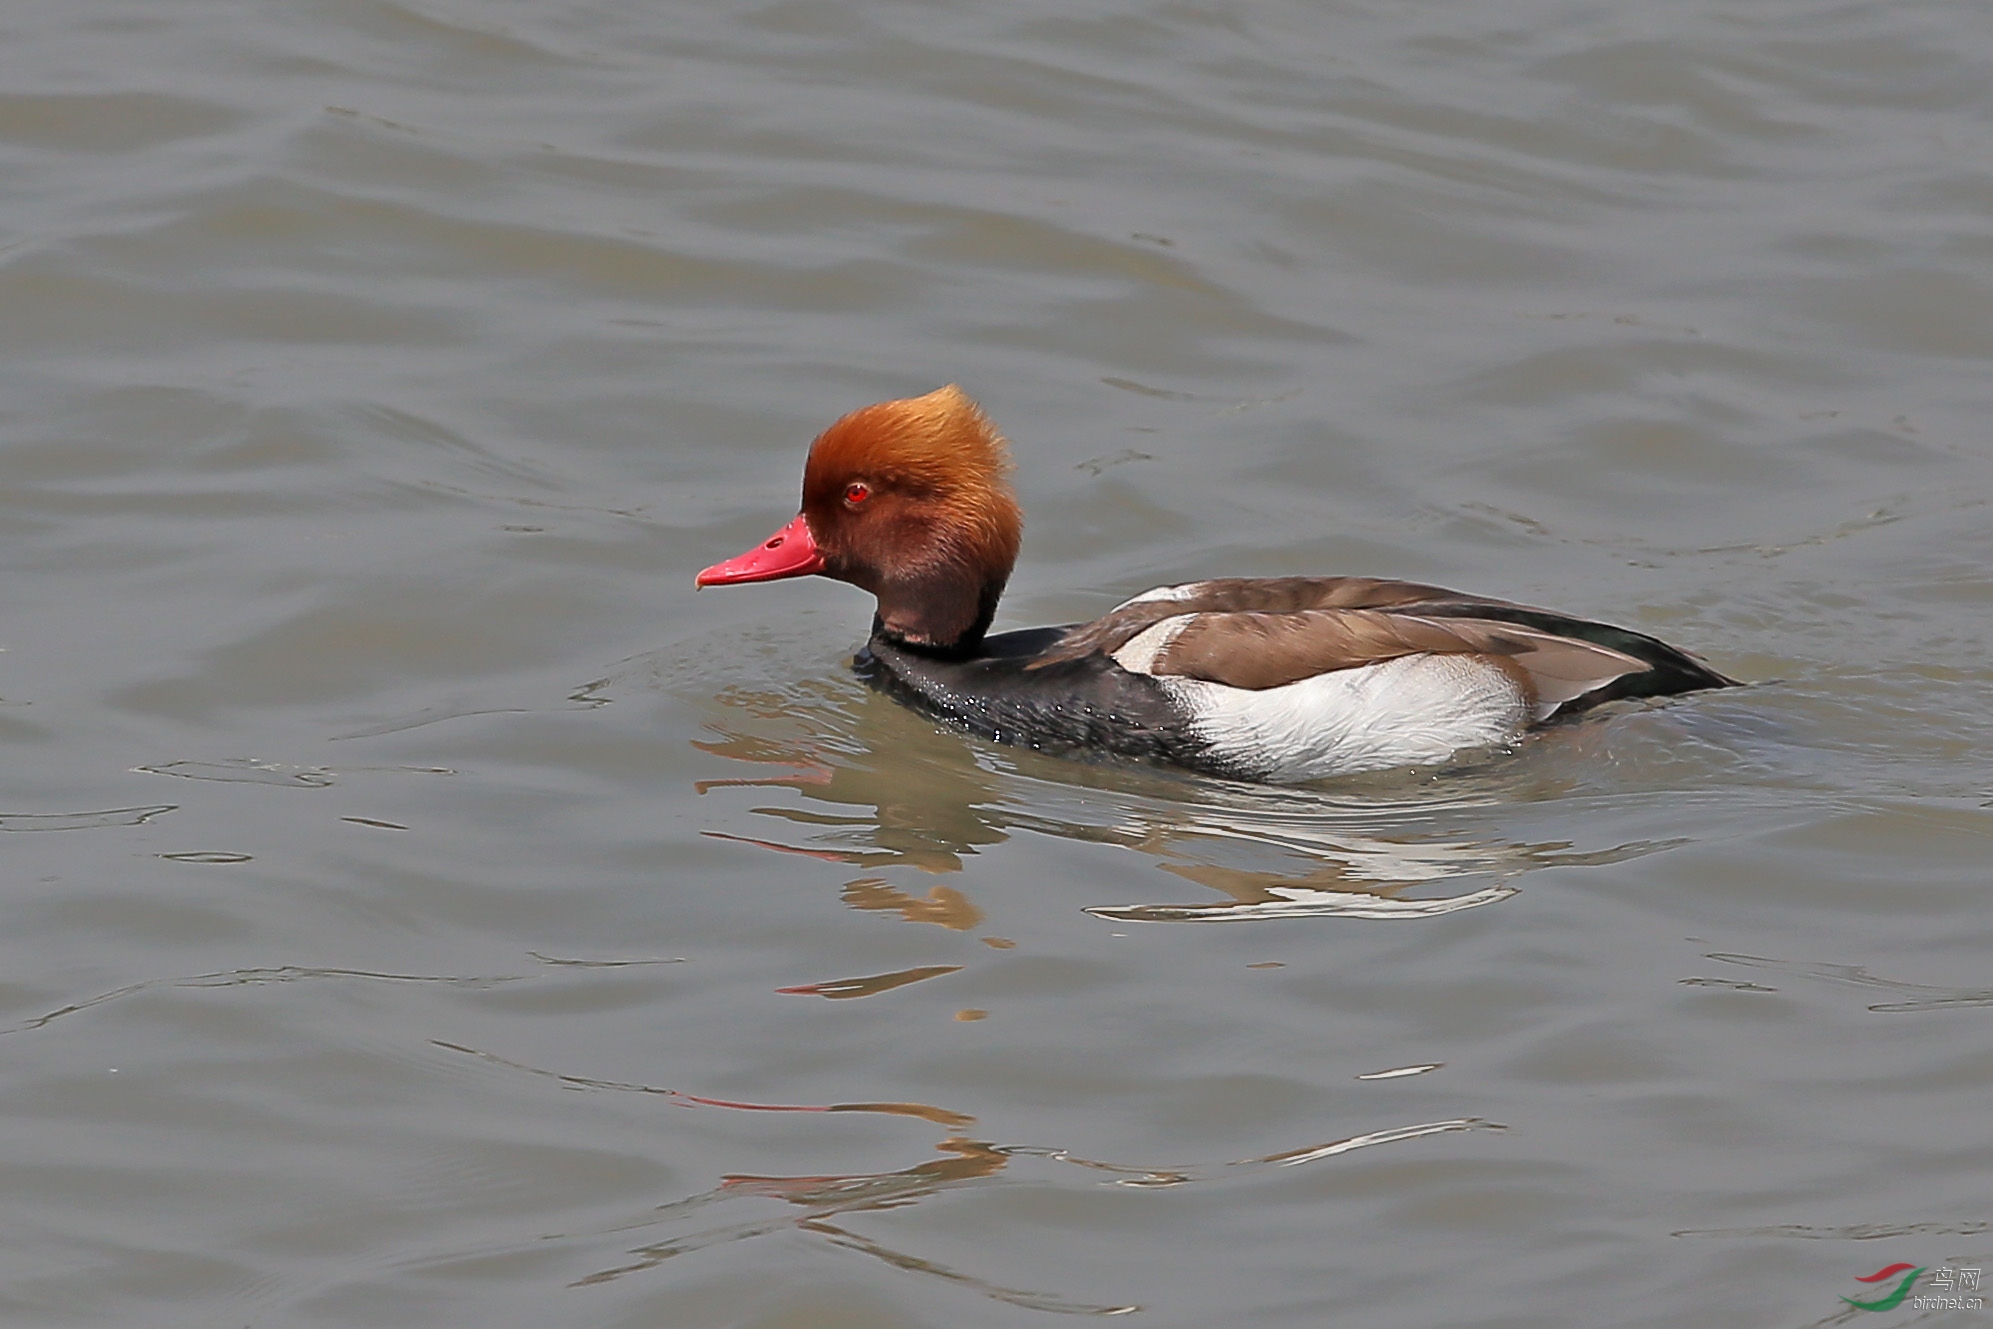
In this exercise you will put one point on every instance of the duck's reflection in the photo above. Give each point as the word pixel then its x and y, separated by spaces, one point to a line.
pixel 943 905
pixel 827 1202
pixel 824 1201
pixel 959 1163
pixel 823 1204
pixel 1388 848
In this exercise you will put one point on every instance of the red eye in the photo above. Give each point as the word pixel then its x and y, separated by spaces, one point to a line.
pixel 857 492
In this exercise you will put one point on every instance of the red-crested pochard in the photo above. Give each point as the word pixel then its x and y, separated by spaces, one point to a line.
pixel 1279 678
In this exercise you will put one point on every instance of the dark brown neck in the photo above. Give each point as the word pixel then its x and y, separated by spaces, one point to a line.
pixel 944 617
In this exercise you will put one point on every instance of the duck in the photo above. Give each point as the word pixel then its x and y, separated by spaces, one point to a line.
pixel 1281 680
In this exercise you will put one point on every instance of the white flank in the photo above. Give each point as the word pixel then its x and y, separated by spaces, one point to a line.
pixel 1138 656
pixel 1412 711
pixel 1187 591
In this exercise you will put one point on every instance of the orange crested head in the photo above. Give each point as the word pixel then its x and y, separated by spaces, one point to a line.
pixel 910 500
pixel 940 444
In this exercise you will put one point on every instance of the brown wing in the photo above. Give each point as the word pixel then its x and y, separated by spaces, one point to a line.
pixel 1268 650
pixel 1225 595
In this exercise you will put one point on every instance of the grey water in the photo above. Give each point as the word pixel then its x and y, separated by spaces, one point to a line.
pixel 420 908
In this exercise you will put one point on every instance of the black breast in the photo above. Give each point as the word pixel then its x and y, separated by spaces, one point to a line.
pixel 1087 704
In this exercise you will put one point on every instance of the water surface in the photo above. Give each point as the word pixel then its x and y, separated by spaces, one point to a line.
pixel 422 909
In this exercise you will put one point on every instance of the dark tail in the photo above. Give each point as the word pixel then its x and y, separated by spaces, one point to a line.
pixel 1669 669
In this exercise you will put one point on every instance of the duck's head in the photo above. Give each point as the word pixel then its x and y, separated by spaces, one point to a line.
pixel 911 501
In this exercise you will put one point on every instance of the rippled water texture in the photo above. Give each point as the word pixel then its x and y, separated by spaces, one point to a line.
pixel 421 909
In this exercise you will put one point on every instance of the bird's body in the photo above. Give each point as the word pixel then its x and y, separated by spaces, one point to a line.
pixel 1280 679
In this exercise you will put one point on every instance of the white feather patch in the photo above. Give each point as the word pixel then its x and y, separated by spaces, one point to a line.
pixel 1412 711
pixel 1188 591
pixel 1138 656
